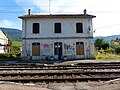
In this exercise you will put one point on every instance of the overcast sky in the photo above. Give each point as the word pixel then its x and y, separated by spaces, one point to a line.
pixel 107 12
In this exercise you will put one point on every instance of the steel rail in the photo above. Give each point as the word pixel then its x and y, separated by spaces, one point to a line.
pixel 47 80
pixel 60 68
pixel 49 65
pixel 61 73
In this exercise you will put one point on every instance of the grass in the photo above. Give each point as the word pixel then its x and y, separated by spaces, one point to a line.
pixel 16 43
pixel 107 57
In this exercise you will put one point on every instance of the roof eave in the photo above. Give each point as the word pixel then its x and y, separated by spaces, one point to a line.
pixel 57 16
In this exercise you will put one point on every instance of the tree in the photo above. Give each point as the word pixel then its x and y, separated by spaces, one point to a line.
pixel 98 43
pixel 105 45
pixel 10 44
pixel 117 38
pixel 9 40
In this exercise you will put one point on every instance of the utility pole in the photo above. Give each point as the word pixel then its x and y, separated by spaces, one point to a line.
pixel 50 6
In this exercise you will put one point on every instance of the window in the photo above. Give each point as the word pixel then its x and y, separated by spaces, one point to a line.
pixel 79 48
pixel 79 28
pixel 35 49
pixel 57 27
pixel 35 28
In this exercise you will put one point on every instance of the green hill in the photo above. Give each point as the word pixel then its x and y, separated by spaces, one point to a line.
pixel 15 34
pixel 108 38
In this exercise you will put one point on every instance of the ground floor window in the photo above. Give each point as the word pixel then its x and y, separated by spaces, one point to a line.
pixel 35 49
pixel 79 48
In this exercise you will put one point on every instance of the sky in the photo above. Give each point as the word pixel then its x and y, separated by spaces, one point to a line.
pixel 107 12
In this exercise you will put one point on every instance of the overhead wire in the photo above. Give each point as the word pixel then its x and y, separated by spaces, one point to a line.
pixel 14 12
pixel 39 6
pixel 39 12
pixel 108 26
pixel 18 10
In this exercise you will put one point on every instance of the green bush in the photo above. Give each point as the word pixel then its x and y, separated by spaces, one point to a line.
pixel 117 49
pixel 18 55
pixel 105 45
pixel 101 51
pixel 10 56
pixel 107 57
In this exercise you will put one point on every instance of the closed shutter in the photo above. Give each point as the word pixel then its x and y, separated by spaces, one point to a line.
pixel 79 48
pixel 35 49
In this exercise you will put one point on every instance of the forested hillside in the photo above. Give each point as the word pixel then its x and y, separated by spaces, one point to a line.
pixel 15 34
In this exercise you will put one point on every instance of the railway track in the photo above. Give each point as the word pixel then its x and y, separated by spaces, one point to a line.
pixel 37 65
pixel 60 73
pixel 58 77
pixel 61 67
pixel 78 64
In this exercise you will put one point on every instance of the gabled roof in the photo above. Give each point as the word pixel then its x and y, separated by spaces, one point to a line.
pixel 58 16
pixel 2 35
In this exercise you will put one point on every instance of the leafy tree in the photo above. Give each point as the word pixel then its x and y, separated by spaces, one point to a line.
pixel 9 40
pixel 10 44
pixel 105 45
pixel 117 38
pixel 98 43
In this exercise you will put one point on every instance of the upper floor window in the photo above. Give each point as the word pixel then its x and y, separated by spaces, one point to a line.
pixel 57 27
pixel 79 27
pixel 36 28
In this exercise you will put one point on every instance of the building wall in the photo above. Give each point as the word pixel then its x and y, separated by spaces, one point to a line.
pixel 47 25
pixel 47 48
pixel 47 38
pixel 3 42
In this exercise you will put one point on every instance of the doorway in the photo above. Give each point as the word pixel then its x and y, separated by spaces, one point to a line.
pixel 58 49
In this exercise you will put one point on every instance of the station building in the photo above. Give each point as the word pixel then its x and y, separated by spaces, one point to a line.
pixel 57 36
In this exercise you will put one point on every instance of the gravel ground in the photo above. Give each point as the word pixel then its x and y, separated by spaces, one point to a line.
pixel 107 85
pixel 85 86
pixel 9 86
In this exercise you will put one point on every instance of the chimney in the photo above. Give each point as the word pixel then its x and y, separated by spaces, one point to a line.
pixel 29 11
pixel 85 11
